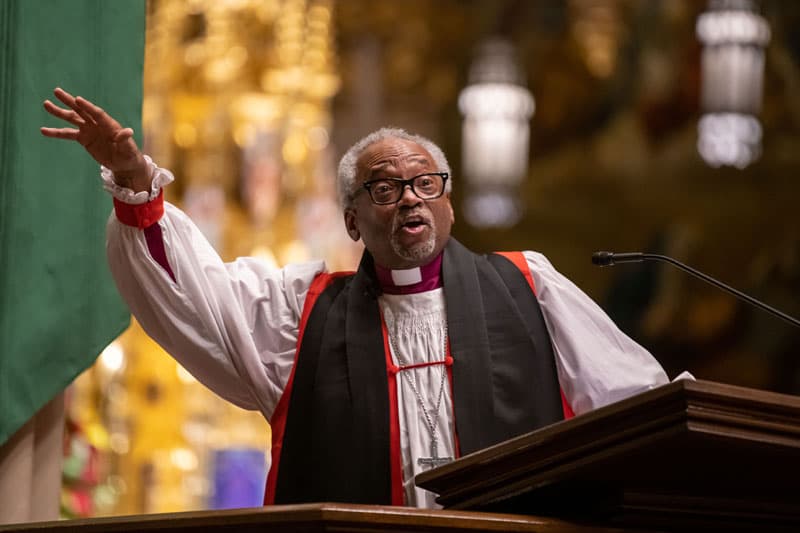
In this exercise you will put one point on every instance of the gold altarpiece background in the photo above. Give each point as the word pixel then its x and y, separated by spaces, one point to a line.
pixel 238 105
pixel 251 102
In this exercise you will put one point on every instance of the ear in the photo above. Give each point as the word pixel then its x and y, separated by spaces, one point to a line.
pixel 450 207
pixel 351 224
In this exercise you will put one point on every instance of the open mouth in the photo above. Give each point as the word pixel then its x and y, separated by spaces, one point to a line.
pixel 413 225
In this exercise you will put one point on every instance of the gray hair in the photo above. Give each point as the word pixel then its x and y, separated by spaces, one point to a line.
pixel 346 176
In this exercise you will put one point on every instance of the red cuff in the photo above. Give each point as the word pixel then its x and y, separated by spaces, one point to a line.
pixel 142 215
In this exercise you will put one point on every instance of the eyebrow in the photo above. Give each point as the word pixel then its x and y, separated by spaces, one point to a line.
pixel 415 158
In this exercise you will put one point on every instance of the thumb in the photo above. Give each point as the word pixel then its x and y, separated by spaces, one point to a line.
pixel 123 135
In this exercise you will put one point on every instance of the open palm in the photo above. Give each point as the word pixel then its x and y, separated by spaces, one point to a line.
pixel 104 138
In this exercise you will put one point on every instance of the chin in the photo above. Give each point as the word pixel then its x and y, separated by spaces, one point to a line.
pixel 416 255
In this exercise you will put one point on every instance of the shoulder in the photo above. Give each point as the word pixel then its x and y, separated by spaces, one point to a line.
pixel 540 266
pixel 534 261
pixel 537 259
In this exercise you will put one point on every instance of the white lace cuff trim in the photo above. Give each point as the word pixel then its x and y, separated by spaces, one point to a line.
pixel 161 177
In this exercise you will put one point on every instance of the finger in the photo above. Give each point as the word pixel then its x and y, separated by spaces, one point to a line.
pixel 80 110
pixel 60 133
pixel 64 96
pixel 71 102
pixel 123 135
pixel 96 114
pixel 65 114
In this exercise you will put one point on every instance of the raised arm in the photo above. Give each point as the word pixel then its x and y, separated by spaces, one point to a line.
pixel 234 326
pixel 102 136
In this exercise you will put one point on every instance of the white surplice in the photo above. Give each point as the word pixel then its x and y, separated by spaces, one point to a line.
pixel 234 326
pixel 416 327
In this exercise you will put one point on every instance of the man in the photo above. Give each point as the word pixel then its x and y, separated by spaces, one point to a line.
pixel 426 353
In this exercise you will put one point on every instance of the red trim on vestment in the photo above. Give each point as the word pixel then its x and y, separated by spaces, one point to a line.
pixel 518 258
pixel 421 365
pixel 140 215
pixel 278 420
pixel 448 361
pixel 395 457
pixel 568 412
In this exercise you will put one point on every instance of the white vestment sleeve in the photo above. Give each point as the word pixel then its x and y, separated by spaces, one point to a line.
pixel 597 363
pixel 233 326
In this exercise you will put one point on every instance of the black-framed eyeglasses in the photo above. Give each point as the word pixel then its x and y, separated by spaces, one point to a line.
pixel 389 190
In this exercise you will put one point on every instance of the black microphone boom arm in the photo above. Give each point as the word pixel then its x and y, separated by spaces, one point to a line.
pixel 611 258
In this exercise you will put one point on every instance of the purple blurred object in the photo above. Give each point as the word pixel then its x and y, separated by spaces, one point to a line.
pixel 239 478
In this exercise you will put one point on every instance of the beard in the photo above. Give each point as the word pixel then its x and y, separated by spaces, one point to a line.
pixel 417 251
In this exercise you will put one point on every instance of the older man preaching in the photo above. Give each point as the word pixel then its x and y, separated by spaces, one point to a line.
pixel 426 353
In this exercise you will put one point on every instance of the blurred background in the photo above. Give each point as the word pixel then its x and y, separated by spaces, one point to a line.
pixel 666 126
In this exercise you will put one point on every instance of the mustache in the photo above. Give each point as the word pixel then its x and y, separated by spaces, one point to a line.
pixel 412 216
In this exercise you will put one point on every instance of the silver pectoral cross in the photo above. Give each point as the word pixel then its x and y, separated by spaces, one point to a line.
pixel 434 460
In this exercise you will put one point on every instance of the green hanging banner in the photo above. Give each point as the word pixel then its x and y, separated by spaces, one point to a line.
pixel 58 304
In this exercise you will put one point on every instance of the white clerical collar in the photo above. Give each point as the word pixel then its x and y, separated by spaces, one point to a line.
pixel 411 280
pixel 408 276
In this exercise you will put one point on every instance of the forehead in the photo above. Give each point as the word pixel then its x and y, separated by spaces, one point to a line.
pixel 391 153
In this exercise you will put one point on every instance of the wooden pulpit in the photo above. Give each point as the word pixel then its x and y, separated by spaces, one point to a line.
pixel 688 456
pixel 691 455
pixel 310 518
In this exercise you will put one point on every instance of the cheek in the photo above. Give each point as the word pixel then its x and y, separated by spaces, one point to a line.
pixel 376 225
pixel 444 217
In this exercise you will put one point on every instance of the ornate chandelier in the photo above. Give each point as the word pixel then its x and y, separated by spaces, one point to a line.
pixel 497 108
pixel 734 37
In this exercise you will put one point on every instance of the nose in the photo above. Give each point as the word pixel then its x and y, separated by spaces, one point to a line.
pixel 408 196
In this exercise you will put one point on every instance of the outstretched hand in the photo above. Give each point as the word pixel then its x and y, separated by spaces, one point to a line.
pixel 104 138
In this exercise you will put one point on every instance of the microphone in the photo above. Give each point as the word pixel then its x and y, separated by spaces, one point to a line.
pixel 610 259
